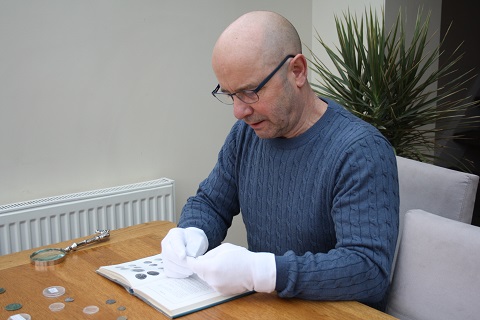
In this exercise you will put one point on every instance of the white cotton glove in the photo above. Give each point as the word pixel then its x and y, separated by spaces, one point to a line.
pixel 177 245
pixel 231 269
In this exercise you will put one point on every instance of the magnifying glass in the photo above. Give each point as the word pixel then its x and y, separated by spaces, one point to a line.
pixel 51 256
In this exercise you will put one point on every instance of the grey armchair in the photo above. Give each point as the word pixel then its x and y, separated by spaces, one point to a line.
pixel 444 192
pixel 435 272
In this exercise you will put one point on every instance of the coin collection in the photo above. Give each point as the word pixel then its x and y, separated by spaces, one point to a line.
pixel 55 292
pixel 144 269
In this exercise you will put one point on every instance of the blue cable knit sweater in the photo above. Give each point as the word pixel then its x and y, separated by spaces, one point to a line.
pixel 325 203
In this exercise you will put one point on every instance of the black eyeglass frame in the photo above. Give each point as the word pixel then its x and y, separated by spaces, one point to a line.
pixel 255 91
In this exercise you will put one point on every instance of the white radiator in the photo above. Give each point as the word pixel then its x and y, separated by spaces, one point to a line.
pixel 35 223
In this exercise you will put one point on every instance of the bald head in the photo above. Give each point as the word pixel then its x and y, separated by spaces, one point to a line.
pixel 261 36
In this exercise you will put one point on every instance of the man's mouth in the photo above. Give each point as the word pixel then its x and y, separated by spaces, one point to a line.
pixel 255 125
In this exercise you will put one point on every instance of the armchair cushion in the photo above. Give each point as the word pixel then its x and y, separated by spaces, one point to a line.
pixel 437 273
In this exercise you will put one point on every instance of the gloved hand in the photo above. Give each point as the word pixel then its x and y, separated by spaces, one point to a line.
pixel 231 269
pixel 177 245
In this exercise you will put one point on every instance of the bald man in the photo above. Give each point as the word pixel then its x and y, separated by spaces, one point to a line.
pixel 316 186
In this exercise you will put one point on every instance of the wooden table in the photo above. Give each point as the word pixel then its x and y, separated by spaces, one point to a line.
pixel 24 283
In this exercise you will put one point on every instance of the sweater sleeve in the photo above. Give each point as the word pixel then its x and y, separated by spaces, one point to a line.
pixel 216 202
pixel 365 214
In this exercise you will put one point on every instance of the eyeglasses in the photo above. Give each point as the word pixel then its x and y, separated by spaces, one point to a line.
pixel 247 96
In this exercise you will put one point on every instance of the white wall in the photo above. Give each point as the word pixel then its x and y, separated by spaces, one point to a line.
pixel 101 93
pixel 95 94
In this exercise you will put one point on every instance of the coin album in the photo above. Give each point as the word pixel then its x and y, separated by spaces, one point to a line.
pixel 145 279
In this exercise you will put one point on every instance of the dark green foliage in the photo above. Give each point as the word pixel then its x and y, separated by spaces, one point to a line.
pixel 392 84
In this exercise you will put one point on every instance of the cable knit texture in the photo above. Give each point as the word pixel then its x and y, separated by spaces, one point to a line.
pixel 325 203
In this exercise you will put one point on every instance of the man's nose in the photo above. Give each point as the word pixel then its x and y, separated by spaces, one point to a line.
pixel 241 109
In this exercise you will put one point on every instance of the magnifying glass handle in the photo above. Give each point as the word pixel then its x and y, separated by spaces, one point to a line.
pixel 101 236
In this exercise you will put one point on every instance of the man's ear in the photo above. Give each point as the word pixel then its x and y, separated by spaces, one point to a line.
pixel 299 67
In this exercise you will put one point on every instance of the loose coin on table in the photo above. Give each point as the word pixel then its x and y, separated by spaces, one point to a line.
pixel 20 316
pixel 57 306
pixel 13 306
pixel 91 309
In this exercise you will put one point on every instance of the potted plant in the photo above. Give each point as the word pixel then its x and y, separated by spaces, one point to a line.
pixel 388 82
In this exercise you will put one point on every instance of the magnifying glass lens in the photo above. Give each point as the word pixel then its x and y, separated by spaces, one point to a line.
pixel 47 256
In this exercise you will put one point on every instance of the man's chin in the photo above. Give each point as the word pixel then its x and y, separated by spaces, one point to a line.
pixel 261 130
pixel 262 134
